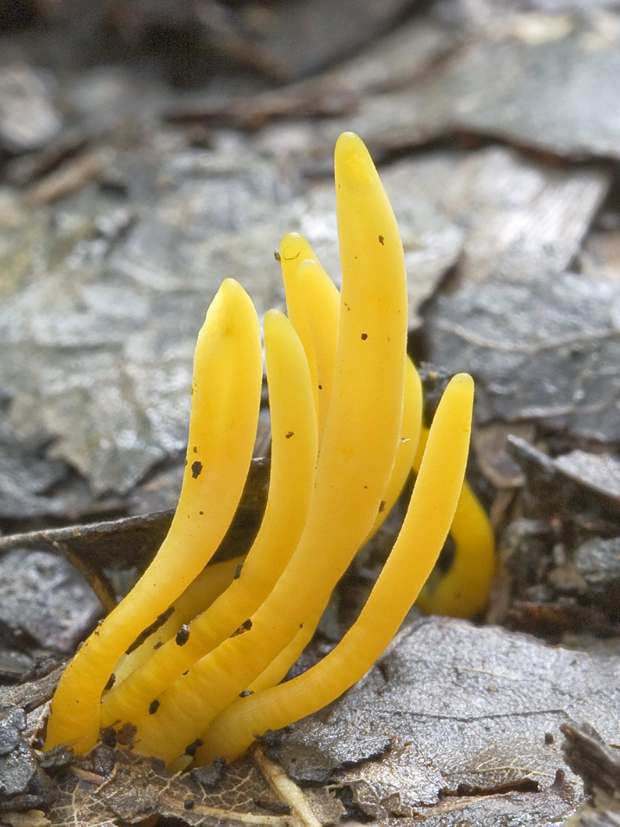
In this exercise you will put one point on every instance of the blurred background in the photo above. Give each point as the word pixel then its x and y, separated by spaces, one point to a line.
pixel 149 149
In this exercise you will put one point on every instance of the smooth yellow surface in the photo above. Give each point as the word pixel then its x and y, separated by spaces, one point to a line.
pixel 314 297
pixel 322 308
pixel 293 250
pixel 356 459
pixel 464 590
pixel 293 462
pixel 407 447
pixel 274 673
pixel 424 530
pixel 223 422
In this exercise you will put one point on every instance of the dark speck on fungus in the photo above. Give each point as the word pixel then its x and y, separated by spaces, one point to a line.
pixel 190 749
pixel 153 627
pixel 364 337
pixel 381 240
pixel 196 469
pixel 289 434
pixel 182 635
pixel 245 627
pixel 153 707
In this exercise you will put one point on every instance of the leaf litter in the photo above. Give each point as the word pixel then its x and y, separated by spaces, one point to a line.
pixel 457 724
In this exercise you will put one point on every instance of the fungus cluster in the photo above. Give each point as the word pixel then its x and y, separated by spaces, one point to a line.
pixel 193 657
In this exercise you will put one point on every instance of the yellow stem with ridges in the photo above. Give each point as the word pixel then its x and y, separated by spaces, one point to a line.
pixel 293 463
pixel 415 552
pixel 282 663
pixel 223 422
pixel 200 593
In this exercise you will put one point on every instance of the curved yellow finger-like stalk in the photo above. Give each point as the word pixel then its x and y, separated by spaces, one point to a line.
pixel 407 447
pixel 223 422
pixel 313 304
pixel 293 462
pixel 464 590
pixel 321 307
pixel 314 297
pixel 200 593
pixel 293 250
pixel 356 459
pixel 415 552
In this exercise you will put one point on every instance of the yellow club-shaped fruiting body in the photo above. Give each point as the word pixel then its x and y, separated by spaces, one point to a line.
pixel 225 404
pixel 346 419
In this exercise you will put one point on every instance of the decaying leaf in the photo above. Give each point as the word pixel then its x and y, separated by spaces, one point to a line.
pixel 547 351
pixel 598 764
pixel 456 716
pixel 556 94
pixel 115 784
pixel 522 218
pixel 577 482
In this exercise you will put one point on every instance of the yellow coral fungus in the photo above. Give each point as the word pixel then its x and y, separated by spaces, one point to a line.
pixel 345 405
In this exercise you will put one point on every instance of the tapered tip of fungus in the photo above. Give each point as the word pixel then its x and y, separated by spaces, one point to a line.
pixel 225 293
pixel 462 384
pixel 353 165
pixel 459 396
pixel 273 314
pixel 230 309
pixel 273 321
pixel 294 247
pixel 230 287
